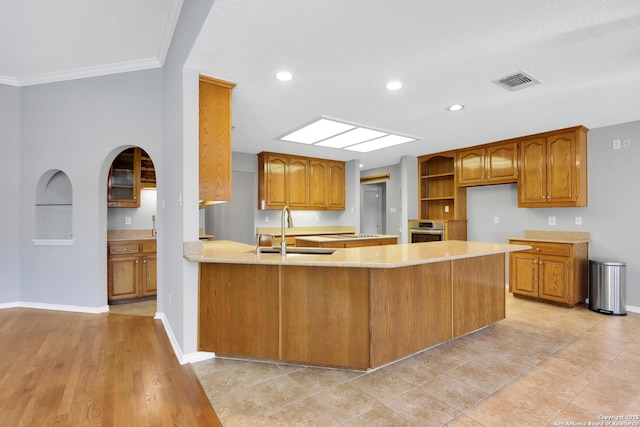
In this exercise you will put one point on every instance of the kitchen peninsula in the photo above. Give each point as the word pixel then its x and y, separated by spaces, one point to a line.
pixel 357 308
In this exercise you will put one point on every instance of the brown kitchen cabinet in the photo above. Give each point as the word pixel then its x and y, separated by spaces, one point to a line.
pixel 550 271
pixel 488 164
pixel 553 169
pixel 439 198
pixel 130 171
pixel 299 182
pixel 215 140
pixel 131 269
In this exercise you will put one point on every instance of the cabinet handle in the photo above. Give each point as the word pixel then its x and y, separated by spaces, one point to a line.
pixel 124 250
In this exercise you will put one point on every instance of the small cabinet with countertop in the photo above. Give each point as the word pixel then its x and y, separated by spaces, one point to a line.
pixel 131 269
pixel 345 241
pixel 555 269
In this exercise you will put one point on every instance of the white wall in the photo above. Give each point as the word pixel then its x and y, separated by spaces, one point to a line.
pixel 77 126
pixel 611 216
pixel 10 194
pixel 141 218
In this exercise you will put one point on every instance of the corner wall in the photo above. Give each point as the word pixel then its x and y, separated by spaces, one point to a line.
pixel 10 194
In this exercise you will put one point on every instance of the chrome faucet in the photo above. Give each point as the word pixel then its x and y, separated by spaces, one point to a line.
pixel 283 242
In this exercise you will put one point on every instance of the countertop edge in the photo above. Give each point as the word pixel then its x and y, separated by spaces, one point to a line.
pixel 193 253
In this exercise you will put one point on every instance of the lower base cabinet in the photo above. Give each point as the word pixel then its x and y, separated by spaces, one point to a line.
pixel 355 318
pixel 131 270
pixel 550 271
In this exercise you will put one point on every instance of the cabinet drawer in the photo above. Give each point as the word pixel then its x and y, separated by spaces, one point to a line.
pixel 545 248
pixel 124 248
pixel 149 247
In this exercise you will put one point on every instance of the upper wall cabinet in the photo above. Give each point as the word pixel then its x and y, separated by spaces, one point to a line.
pixel 300 182
pixel 553 169
pixel 488 164
pixel 215 140
pixel 130 171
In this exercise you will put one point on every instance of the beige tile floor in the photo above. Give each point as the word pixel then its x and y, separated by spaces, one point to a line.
pixel 140 308
pixel 541 366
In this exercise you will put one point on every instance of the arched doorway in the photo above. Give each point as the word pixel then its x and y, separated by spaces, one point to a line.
pixel 131 233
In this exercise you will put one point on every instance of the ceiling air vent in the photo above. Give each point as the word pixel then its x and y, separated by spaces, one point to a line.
pixel 517 81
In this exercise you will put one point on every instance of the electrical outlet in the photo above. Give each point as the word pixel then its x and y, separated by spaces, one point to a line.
pixel 496 219
pixel 446 209
pixel 578 220
pixel 552 220
pixel 616 144
pixel 127 220
pixel 266 219
pixel 626 143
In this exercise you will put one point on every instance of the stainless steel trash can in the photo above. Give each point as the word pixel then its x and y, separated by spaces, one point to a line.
pixel 608 287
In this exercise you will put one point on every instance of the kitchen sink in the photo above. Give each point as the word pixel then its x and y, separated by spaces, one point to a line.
pixel 298 250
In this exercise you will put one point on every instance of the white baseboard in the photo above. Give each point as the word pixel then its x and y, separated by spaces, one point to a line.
pixel 56 307
pixel 197 356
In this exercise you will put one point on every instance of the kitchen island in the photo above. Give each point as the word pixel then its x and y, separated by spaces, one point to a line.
pixel 346 240
pixel 357 308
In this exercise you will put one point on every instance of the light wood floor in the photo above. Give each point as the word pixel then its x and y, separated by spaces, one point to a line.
pixel 72 369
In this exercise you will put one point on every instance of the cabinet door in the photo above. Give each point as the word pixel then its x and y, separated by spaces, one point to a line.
pixel 215 140
pixel 471 169
pixel 319 180
pixel 123 277
pixel 148 276
pixel 554 278
pixel 123 185
pixel 523 274
pixel 501 163
pixel 276 181
pixel 298 179
pixel 532 187
pixel 561 168
pixel 336 183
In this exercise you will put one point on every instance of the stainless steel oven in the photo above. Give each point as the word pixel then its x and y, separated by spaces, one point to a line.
pixel 425 231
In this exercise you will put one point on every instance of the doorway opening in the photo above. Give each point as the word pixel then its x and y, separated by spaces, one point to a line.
pixel 373 218
pixel 131 234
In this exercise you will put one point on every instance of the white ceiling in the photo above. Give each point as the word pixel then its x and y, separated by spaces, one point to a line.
pixel 342 53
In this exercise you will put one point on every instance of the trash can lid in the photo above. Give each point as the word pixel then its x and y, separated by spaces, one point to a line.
pixel 612 263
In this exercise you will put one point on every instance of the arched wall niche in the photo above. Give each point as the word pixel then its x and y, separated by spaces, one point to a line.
pixel 54 208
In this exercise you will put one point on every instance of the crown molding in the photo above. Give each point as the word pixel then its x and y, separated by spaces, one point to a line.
pixel 81 73
pixel 169 28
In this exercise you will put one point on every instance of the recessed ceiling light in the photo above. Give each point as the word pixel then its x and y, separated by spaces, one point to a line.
pixel 377 144
pixel 317 131
pixel 455 107
pixel 351 137
pixel 394 85
pixel 284 76
pixel 337 134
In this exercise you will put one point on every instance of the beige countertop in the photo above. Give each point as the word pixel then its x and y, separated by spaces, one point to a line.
pixel 387 256
pixel 554 236
pixel 348 237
